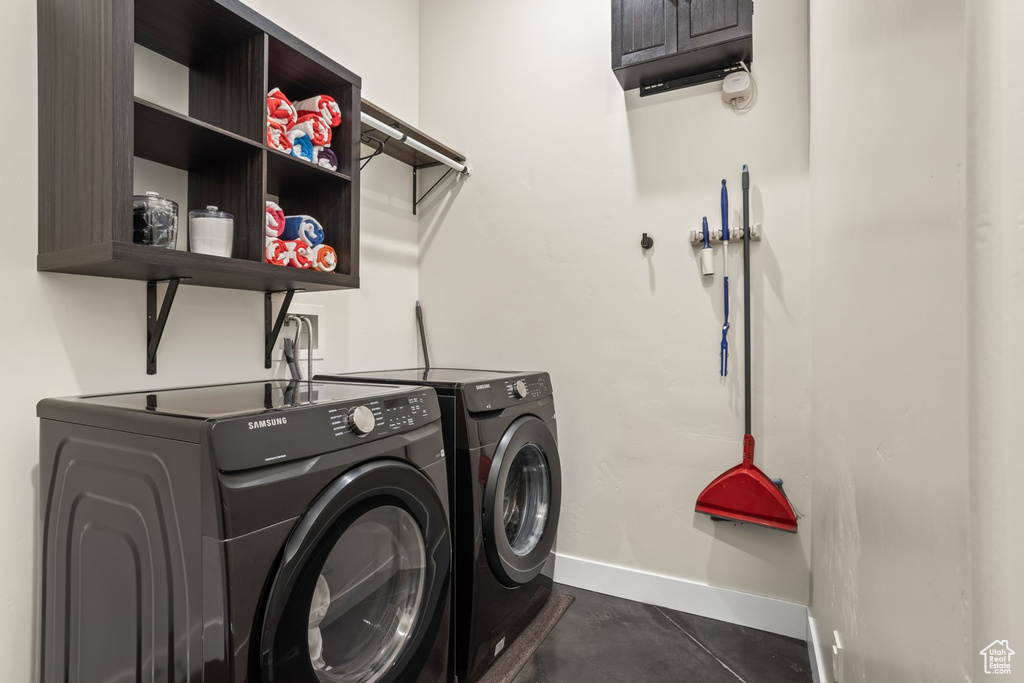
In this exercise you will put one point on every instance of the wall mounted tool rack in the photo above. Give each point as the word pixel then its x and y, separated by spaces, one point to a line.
pixel 697 236
pixel 425 152
pixel 233 56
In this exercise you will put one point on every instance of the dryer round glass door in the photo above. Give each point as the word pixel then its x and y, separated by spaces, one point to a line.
pixel 527 499
pixel 367 597
pixel 521 501
pixel 361 594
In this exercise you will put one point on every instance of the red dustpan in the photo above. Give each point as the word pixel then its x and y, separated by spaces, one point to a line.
pixel 744 493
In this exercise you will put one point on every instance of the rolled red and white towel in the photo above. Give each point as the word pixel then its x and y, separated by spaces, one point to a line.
pixel 275 220
pixel 280 108
pixel 318 130
pixel 325 156
pixel 277 136
pixel 277 252
pixel 294 253
pixel 324 105
pixel 325 259
pixel 302 255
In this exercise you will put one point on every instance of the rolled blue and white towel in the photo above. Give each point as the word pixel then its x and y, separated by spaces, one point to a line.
pixel 302 146
pixel 305 228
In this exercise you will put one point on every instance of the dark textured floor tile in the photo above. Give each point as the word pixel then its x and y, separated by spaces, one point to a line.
pixel 602 639
pixel 756 656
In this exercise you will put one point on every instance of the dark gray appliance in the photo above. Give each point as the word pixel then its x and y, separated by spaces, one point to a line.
pixel 263 531
pixel 505 484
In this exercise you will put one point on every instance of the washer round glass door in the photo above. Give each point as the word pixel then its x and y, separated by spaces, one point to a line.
pixel 521 501
pixel 367 597
pixel 362 589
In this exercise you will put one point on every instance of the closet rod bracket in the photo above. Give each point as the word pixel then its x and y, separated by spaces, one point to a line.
pixel 156 317
pixel 272 326
pixel 415 174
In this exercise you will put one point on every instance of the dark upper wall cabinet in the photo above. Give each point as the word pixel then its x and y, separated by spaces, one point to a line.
pixel 646 30
pixel 654 41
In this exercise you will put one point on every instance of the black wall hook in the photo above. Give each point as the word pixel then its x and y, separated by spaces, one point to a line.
pixel 646 241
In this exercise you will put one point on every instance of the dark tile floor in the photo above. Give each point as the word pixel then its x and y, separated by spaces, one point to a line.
pixel 601 638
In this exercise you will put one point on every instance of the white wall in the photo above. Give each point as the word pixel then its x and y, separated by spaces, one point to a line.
pixel 891 561
pixel 534 263
pixel 66 334
pixel 995 205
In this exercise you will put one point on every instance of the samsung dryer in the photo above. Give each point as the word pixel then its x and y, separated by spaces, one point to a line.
pixel 506 490
pixel 261 532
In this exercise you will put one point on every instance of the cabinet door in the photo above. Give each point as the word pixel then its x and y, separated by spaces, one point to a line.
pixel 642 30
pixel 708 22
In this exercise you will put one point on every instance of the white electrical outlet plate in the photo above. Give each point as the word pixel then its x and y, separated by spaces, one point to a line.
pixel 837 658
pixel 317 315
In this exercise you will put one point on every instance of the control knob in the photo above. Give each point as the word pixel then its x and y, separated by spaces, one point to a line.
pixel 521 390
pixel 361 421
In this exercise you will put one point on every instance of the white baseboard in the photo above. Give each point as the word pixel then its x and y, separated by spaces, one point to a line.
pixel 755 611
pixel 818 671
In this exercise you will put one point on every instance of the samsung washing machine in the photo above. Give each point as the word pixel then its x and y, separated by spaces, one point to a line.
pixel 506 490
pixel 265 531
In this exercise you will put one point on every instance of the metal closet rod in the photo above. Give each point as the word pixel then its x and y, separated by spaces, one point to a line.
pixel 464 169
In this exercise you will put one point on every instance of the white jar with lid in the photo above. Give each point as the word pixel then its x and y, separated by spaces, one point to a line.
pixel 210 231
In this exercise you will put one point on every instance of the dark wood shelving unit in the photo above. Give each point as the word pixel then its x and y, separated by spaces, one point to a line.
pixel 92 126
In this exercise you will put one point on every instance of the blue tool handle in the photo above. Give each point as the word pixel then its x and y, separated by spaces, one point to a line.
pixel 707 236
pixel 724 353
pixel 725 212
pixel 725 282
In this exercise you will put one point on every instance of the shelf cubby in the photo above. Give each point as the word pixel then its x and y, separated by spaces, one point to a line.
pixel 233 56
pixel 299 77
pixel 224 53
pixel 172 139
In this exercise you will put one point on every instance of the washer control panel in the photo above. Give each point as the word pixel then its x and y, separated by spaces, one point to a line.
pixel 508 391
pixel 304 431
pixel 383 416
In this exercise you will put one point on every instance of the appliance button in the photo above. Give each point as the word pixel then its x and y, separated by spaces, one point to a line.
pixel 361 420
pixel 521 390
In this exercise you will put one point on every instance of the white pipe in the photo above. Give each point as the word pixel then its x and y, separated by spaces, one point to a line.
pixel 465 169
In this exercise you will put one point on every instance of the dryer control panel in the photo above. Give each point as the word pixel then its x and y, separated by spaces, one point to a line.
pixel 304 431
pixel 507 391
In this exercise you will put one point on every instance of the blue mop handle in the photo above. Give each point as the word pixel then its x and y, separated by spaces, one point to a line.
pixel 725 212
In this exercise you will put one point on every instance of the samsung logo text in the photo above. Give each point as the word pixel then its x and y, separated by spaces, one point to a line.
pixel 272 422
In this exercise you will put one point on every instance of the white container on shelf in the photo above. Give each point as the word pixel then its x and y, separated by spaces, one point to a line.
pixel 211 231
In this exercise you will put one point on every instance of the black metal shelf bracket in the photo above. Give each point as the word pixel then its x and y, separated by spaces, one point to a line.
pixel 271 326
pixel 371 141
pixel 156 320
pixel 415 173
